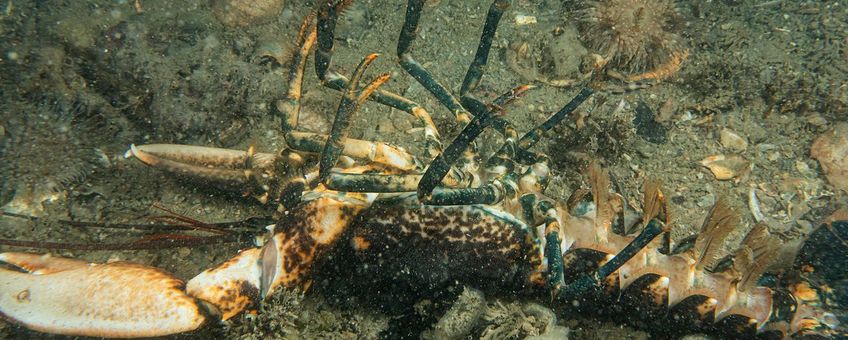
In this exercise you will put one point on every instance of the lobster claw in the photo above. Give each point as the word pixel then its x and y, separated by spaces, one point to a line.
pixel 252 173
pixel 72 297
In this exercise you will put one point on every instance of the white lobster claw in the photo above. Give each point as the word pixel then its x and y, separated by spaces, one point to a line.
pixel 71 297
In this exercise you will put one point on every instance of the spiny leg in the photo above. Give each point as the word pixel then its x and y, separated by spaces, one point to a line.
pixel 349 104
pixel 457 150
pixel 536 211
pixel 407 36
pixel 533 136
pixel 328 14
pixel 308 142
pixel 481 57
pixel 441 165
pixel 585 282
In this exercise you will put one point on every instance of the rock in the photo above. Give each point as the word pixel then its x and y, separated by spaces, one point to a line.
pixel 461 318
pixel 240 13
pixel 647 126
pixel 831 150
pixel 732 141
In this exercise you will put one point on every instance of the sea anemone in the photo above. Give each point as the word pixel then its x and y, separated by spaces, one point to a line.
pixel 637 36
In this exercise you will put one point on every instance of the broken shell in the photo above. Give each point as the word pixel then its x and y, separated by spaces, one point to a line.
pixel 732 141
pixel 831 150
pixel 726 167
pixel 523 20
pixel 271 52
pixel 239 13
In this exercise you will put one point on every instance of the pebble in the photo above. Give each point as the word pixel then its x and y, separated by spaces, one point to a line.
pixel 817 120
pixel 732 141
pixel 706 200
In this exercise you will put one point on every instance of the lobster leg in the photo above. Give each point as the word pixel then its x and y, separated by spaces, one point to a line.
pixel 350 102
pixel 327 17
pixel 585 282
pixel 314 143
pixel 407 37
pixel 118 299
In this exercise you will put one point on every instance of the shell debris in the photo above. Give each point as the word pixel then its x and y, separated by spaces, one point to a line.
pixel 732 141
pixel 725 167
pixel 831 150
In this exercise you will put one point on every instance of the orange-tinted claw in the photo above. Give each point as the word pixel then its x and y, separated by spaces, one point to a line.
pixel 119 299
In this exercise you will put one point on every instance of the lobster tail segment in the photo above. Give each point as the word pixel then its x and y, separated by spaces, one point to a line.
pixel 697 285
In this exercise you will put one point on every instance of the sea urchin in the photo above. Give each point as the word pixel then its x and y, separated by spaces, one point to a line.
pixel 637 36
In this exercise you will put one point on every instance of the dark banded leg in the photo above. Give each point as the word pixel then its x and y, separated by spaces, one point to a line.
pixel 478 65
pixel 536 212
pixel 460 110
pixel 586 282
pixel 484 117
pixel 533 136
pixel 481 57
pixel 553 241
pixel 518 150
pixel 350 103
pixel 307 142
pixel 535 177
pixel 327 16
pixel 407 36
pixel 441 165
pixel 446 160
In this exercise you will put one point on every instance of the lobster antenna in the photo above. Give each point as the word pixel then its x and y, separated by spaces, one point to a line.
pixel 759 250
pixel 717 226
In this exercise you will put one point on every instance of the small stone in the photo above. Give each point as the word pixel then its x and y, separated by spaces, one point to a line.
pixel 732 141
pixel 706 200
pixel 666 111
pixel 726 167
pixel 803 168
pixel 385 126
pixel 816 119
